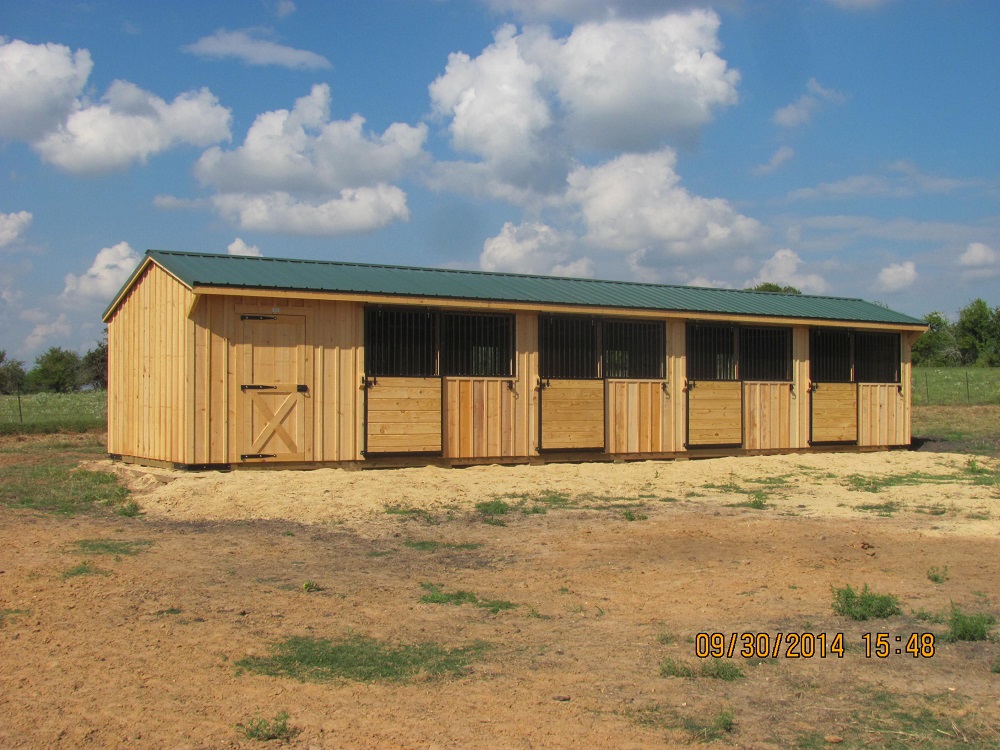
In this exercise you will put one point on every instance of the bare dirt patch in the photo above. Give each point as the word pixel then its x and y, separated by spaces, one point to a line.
pixel 614 569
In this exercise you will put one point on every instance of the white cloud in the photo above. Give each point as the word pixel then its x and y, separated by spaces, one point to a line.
pixel 239 247
pixel 302 150
pixel 636 202
pixel 353 211
pixel 173 203
pixel 528 101
pixel 784 267
pixel 902 179
pixel 45 332
pixel 533 248
pixel 39 85
pixel 13 225
pixel 283 8
pixel 250 48
pixel 897 276
pixel 979 254
pixel 301 173
pixel 802 110
pixel 130 125
pixel 588 10
pixel 111 268
pixel 783 154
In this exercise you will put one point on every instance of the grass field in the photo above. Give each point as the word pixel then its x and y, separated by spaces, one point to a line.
pixel 53 412
pixel 956 385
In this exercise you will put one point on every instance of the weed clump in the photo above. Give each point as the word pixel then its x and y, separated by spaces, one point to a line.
pixel 864 605
pixel 968 627
pixel 266 730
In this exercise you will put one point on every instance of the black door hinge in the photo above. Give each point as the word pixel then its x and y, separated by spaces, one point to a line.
pixel 245 456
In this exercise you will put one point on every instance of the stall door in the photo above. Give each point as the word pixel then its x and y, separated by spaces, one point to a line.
pixel 403 415
pixel 715 413
pixel 834 413
pixel 275 413
pixel 572 414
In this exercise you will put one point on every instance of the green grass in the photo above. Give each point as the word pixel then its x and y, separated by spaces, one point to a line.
pixel 110 547
pixel 968 627
pixel 698 730
pixel 435 595
pixel 956 385
pixel 716 669
pixel 6 614
pixel 756 500
pixel 54 412
pixel 52 484
pixel 972 429
pixel 885 510
pixel 84 569
pixel 429 545
pixel 266 730
pixel 937 575
pixel 864 605
pixel 360 659
pixel 419 514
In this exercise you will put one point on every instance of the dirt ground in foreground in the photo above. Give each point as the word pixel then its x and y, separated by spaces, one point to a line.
pixel 141 652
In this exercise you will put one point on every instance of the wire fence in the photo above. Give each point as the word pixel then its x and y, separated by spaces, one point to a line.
pixel 74 410
pixel 955 386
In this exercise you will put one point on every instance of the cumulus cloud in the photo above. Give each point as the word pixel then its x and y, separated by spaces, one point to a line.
pixel 250 47
pixel 785 268
pixel 239 247
pixel 130 125
pixel 13 225
pixel 353 211
pixel 530 100
pixel 39 86
pixel 303 150
pixel 111 268
pixel 533 248
pixel 636 202
pixel 802 110
pixel 43 333
pixel 897 276
pixel 783 154
pixel 976 254
pixel 299 172
pixel 283 8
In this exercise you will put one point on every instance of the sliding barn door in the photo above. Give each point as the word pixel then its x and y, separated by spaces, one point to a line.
pixel 275 408
pixel 833 413
pixel 572 414
pixel 403 415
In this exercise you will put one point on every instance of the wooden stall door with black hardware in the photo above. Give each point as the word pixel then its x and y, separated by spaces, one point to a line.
pixel 834 413
pixel 571 390
pixel 714 392
pixel 275 404
pixel 403 415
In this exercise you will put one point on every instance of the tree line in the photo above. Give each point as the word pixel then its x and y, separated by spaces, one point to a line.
pixel 57 370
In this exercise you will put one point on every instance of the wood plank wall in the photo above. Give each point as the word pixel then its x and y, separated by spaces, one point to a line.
pixel 404 415
pixel 715 413
pixel 882 415
pixel 637 417
pixel 767 415
pixel 148 374
pixel 337 363
pixel 481 418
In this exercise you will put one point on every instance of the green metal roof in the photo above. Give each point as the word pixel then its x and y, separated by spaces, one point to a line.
pixel 260 274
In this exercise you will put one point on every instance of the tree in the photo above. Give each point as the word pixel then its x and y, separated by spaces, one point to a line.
pixel 11 373
pixel 94 366
pixel 770 286
pixel 56 370
pixel 937 347
pixel 978 334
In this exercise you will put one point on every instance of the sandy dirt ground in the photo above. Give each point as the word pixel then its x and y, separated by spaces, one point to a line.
pixel 614 569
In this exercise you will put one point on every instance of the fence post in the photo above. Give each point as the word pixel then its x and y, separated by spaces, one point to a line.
pixel 927 387
pixel 968 393
pixel 20 416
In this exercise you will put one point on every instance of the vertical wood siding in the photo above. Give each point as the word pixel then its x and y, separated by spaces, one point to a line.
pixel 481 418
pixel 767 415
pixel 881 415
pixel 637 416
pixel 148 372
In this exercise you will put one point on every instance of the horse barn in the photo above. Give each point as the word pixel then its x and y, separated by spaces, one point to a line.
pixel 226 361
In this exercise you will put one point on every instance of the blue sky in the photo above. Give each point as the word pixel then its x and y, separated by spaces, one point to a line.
pixel 846 147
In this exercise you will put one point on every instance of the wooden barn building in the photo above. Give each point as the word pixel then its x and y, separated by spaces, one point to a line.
pixel 222 360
